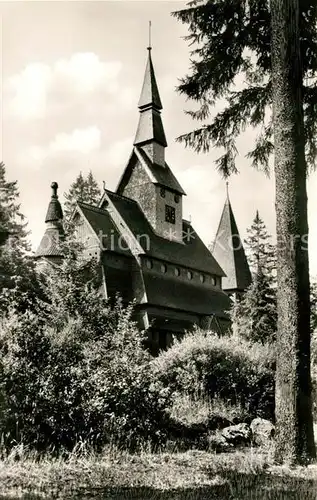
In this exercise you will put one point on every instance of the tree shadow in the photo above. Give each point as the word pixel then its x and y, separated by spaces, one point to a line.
pixel 236 486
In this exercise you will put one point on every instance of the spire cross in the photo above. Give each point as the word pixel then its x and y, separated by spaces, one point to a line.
pixel 227 188
pixel 150 41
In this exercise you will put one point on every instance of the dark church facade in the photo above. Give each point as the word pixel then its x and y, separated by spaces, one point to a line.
pixel 147 251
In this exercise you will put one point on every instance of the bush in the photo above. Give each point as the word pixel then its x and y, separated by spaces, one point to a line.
pixel 77 371
pixel 229 368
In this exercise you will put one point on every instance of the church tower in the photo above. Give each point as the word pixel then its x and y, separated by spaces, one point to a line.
pixel 229 253
pixel 49 248
pixel 147 178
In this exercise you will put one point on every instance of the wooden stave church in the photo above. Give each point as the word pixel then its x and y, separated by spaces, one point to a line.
pixel 147 251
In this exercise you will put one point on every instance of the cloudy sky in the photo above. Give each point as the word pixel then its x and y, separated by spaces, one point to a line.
pixel 71 79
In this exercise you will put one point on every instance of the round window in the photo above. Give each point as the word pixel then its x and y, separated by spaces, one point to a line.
pixel 189 275
pixel 176 198
pixel 213 281
pixel 163 268
pixel 177 271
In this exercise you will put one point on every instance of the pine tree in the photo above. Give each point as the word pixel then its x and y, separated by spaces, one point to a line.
pixel 272 47
pixel 82 189
pixel 18 284
pixel 11 218
pixel 255 315
pixel 230 38
pixel 259 249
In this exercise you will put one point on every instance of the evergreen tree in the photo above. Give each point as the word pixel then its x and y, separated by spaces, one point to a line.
pixel 18 283
pixel 82 189
pixel 231 38
pixel 272 46
pixel 255 316
pixel 260 251
pixel 11 218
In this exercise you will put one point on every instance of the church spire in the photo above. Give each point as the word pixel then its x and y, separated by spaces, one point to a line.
pixel 229 252
pixel 49 247
pixel 150 132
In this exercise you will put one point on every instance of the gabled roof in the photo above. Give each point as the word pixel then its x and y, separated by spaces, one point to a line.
pixel 149 95
pixel 229 252
pixel 192 253
pixel 158 174
pixel 104 228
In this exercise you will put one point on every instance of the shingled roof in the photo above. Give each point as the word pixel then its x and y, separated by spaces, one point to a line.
pixel 106 231
pixel 158 174
pixel 229 252
pixel 169 292
pixel 192 253
pixel 54 233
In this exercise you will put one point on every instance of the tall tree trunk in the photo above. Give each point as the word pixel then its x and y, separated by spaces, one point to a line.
pixel 294 423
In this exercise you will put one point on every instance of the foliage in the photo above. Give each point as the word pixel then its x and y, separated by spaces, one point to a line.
pixel 260 251
pixel 254 316
pixel 74 371
pixel 82 189
pixel 231 49
pixel 230 368
pixel 18 283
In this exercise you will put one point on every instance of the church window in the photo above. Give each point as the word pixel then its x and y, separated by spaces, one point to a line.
pixel 213 281
pixel 176 198
pixel 149 264
pixel 177 271
pixel 169 214
pixel 202 278
pixel 163 192
pixel 189 275
pixel 163 268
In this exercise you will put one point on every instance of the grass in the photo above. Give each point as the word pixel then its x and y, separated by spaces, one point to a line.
pixel 191 410
pixel 193 475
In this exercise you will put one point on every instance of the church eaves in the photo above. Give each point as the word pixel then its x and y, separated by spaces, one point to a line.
pixel 229 252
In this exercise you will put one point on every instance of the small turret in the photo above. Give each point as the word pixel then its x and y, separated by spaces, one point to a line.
pixel 49 247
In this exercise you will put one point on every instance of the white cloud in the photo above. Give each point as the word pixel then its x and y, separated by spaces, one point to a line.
pixel 87 72
pixel 83 141
pixel 30 90
pixel 118 153
pixel 80 140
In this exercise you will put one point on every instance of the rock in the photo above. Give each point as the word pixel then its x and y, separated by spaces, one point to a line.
pixel 218 422
pixel 237 434
pixel 216 442
pixel 262 431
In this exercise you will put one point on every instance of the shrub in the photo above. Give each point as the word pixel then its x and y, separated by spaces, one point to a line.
pixel 230 368
pixel 77 371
